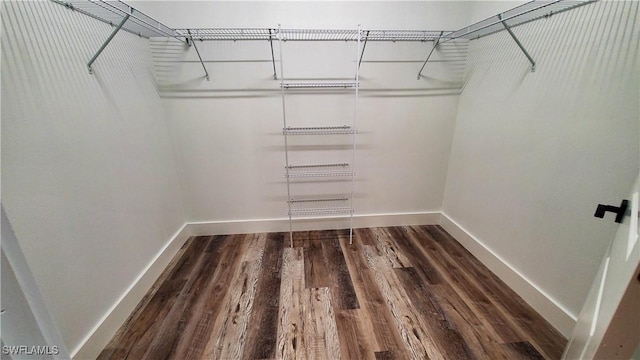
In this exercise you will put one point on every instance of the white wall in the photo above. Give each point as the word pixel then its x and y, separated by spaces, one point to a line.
pixel 227 131
pixel 534 153
pixel 88 178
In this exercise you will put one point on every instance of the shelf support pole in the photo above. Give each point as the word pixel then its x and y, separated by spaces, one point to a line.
pixel 506 27
pixel 206 73
pixel 115 31
pixel 273 58
pixel 435 43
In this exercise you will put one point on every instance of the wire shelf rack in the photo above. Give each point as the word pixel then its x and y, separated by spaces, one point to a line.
pixel 318 200
pixel 319 85
pixel 319 206
pixel 228 34
pixel 321 211
pixel 315 174
pixel 315 166
pixel 113 12
pixel 402 35
pixel 318 130
pixel 318 34
pixel 519 15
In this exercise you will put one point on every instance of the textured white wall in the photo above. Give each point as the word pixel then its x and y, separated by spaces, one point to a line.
pixel 88 178
pixel 534 153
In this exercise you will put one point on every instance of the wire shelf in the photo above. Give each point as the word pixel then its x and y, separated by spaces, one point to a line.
pixel 318 35
pixel 402 35
pixel 519 15
pixel 319 130
pixel 231 34
pixel 321 211
pixel 112 13
pixel 317 200
pixel 319 85
pixel 311 166
pixel 314 174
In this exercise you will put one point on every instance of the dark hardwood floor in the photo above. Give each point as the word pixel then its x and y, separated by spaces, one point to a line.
pixel 396 293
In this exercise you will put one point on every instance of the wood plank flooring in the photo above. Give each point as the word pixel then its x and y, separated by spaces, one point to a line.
pixel 407 292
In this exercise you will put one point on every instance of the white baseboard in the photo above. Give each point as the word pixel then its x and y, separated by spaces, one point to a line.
pixel 544 304
pixel 317 223
pixel 102 333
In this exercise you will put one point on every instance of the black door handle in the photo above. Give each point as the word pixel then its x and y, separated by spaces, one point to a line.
pixel 619 211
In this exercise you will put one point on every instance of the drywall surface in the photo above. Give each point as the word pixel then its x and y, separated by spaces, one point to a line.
pixel 228 131
pixel 399 15
pixel 88 179
pixel 534 153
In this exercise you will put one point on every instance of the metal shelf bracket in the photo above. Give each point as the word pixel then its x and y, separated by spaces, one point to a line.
pixel 435 44
pixel 206 73
pixel 273 58
pixel 115 31
pixel 506 27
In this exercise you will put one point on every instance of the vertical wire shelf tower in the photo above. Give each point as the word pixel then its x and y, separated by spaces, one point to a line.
pixel 325 170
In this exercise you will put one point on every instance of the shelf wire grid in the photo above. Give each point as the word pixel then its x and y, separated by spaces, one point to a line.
pixel 318 130
pixel 319 85
pixel 229 34
pixel 519 15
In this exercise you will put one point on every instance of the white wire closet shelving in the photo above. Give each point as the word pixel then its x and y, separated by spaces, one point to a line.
pixel 305 207
pixel 124 17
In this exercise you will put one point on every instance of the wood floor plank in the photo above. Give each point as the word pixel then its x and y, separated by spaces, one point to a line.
pixel 228 336
pixel 365 236
pixel 300 238
pixel 532 326
pixel 316 274
pixel 263 324
pixel 446 337
pixel 388 249
pixel 387 355
pixel 523 350
pixel 135 335
pixel 456 276
pixel 209 304
pixel 320 330
pixel 421 263
pixel 291 340
pixel 343 293
pixel 165 343
pixel 419 344
pixel 351 334
pixel 377 315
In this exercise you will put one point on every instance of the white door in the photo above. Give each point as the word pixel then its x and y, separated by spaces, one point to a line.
pixel 608 326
